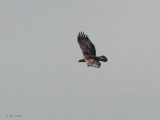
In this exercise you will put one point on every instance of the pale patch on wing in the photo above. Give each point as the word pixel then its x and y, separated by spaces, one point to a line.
pixel 93 63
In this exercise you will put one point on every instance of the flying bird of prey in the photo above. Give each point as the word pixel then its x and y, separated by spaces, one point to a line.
pixel 89 51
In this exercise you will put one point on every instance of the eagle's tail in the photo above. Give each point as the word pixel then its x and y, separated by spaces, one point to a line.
pixel 102 58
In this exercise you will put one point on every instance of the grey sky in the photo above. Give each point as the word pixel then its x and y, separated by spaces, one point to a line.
pixel 41 79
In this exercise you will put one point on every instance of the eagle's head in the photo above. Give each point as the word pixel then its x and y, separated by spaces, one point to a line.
pixel 81 60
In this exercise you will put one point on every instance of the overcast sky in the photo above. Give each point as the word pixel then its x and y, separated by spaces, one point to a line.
pixel 41 79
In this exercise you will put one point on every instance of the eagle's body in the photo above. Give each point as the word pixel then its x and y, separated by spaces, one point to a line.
pixel 89 52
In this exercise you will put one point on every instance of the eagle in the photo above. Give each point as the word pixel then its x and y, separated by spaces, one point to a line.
pixel 89 51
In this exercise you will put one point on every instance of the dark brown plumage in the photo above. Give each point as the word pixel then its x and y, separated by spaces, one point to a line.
pixel 89 52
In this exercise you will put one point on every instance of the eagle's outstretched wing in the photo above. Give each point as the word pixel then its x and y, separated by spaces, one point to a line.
pixel 86 45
